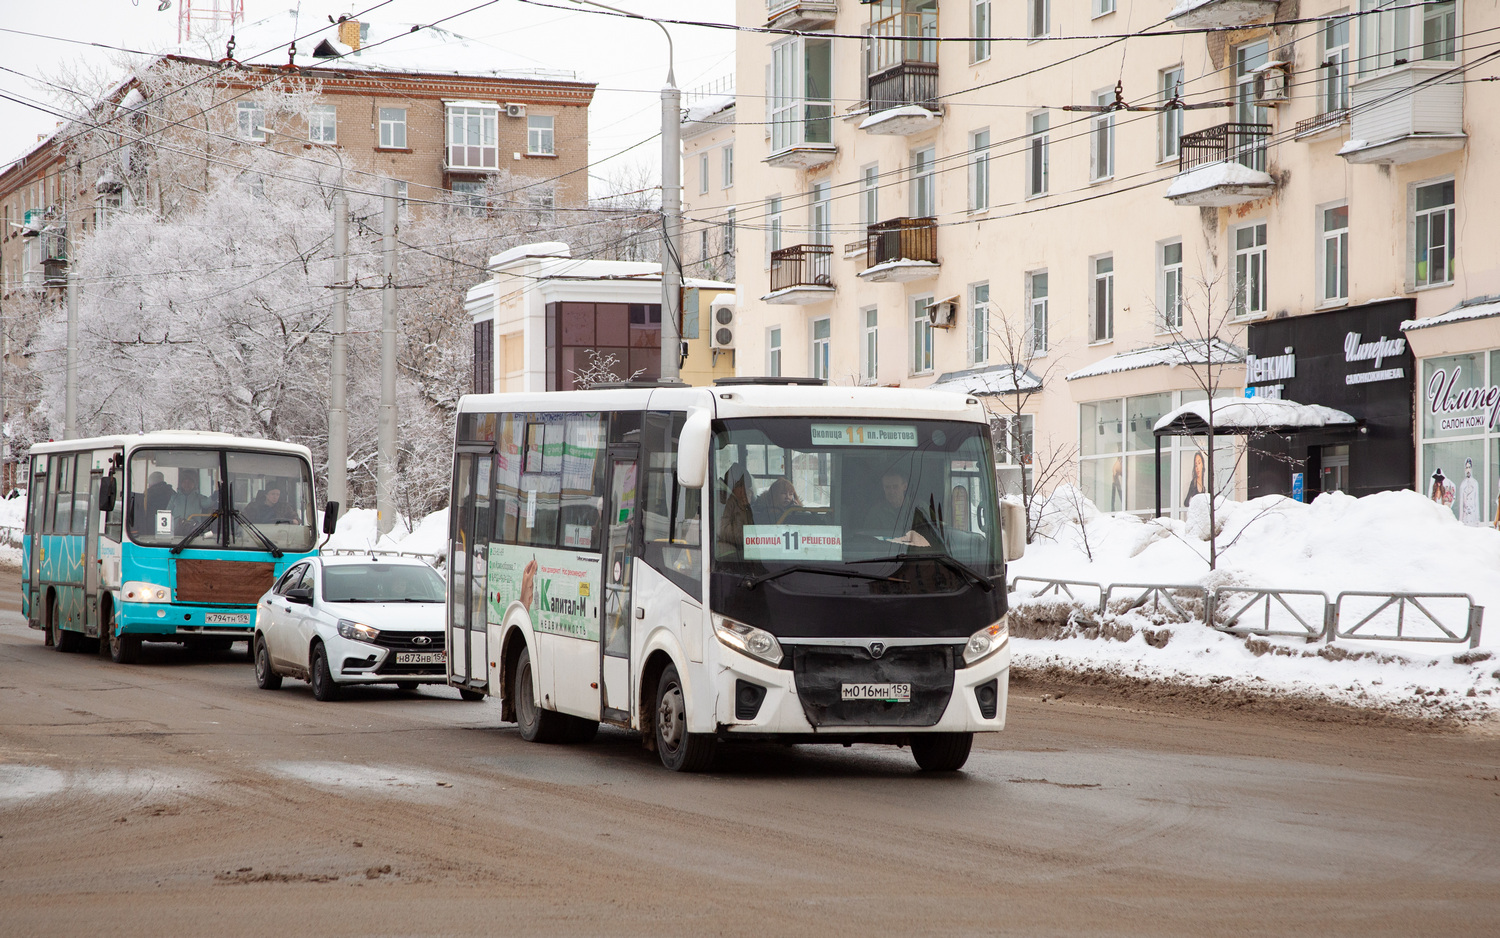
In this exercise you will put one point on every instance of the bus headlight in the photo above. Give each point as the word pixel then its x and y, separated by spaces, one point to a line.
pixel 986 642
pixel 757 643
pixel 136 591
pixel 357 631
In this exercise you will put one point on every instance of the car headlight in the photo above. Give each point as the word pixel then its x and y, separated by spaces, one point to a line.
pixel 757 643
pixel 357 631
pixel 986 642
pixel 136 591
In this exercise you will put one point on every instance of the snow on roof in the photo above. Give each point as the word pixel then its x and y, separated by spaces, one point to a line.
pixel 1212 175
pixel 1242 414
pixel 521 252
pixel 716 104
pixel 895 113
pixel 1479 307
pixel 996 379
pixel 1176 353
pixel 698 283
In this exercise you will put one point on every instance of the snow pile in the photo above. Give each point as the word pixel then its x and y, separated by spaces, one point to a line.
pixel 1390 541
pixel 1255 413
pixel 357 531
pixel 12 523
pixel 1226 174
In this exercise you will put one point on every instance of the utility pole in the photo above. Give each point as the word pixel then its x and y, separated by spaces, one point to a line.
pixel 338 426
pixel 671 225
pixel 70 396
pixel 385 472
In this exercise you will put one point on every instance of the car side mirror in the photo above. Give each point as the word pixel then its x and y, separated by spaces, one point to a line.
pixel 107 490
pixel 330 517
pixel 302 595
pixel 692 449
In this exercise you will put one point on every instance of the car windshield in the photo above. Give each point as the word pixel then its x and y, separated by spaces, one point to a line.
pixel 175 492
pixel 839 497
pixel 381 583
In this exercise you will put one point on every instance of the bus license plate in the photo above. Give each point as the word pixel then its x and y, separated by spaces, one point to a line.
pixel 887 693
pixel 226 618
pixel 420 657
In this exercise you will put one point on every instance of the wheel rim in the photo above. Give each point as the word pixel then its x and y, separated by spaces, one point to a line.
pixel 671 718
pixel 525 706
pixel 115 642
pixel 320 683
pixel 260 661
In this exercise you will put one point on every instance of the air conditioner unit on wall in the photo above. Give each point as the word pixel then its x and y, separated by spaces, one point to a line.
pixel 944 313
pixel 724 324
pixel 1271 82
pixel 515 110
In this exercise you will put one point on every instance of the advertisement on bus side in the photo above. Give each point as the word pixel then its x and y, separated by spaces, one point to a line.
pixel 559 587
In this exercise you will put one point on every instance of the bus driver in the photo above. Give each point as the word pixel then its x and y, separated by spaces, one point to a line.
pixel 189 505
pixel 889 519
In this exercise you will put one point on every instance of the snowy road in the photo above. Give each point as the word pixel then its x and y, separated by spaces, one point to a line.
pixel 174 798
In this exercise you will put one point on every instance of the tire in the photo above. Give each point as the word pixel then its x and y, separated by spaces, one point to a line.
pixel 215 645
pixel 123 649
pixel 537 725
pixel 266 677
pixel 941 752
pixel 323 685
pixel 472 696
pixel 407 686
pixel 580 730
pixel 679 750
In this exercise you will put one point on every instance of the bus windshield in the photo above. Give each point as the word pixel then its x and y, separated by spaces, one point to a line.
pixel 807 494
pixel 175 493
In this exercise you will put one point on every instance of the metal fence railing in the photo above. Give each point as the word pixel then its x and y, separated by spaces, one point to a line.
pixel 911 239
pixel 803 265
pixel 1065 589
pixel 1415 617
pixel 1242 143
pixel 1152 597
pixel 1294 613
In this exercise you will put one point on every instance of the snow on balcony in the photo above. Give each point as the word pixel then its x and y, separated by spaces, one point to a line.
pixel 901 121
pixel 1195 14
pixel 803 156
pixel 1408 113
pixel 1219 185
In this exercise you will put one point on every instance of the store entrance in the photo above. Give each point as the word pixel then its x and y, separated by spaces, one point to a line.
pixel 1334 468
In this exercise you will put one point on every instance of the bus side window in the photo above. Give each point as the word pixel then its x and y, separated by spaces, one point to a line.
pixel 672 530
pixel 81 494
pixel 62 497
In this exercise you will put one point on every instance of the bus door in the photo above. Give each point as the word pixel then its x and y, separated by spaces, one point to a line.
pixel 91 557
pixel 468 572
pixel 619 552
pixel 36 500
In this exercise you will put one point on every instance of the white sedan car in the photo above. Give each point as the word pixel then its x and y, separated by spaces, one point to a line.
pixel 358 619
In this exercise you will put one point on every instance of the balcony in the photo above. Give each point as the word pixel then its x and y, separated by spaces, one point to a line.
pixel 1222 166
pixel 903 99
pixel 801 14
pixel 1322 125
pixel 801 275
pixel 802 135
pixel 1196 14
pixel 1409 113
pixel 901 250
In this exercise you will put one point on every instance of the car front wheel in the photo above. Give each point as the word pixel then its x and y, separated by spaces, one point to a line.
pixel 266 677
pixel 323 684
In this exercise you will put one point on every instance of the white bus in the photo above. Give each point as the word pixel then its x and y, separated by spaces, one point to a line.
pixel 754 561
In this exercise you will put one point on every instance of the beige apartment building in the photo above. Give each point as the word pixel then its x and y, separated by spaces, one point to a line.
pixel 1065 214
pixel 708 189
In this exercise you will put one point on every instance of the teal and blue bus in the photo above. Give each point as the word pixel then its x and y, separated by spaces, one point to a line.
pixel 160 537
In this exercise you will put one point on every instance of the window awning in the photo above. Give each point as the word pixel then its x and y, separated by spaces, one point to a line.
pixel 996 379
pixel 1242 415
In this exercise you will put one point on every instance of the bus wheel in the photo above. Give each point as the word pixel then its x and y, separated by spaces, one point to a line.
pixel 123 649
pixel 407 686
pixel 680 750
pixel 472 696
pixel 941 752
pixel 537 725
pixel 62 639
pixel 323 685
pixel 266 677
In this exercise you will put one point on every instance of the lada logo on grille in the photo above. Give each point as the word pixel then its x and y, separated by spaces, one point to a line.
pixel 877 649
pixel 422 640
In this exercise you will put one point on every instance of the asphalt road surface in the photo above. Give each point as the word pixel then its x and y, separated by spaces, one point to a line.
pixel 175 798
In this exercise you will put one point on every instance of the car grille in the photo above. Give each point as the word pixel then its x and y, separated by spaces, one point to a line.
pixel 821 670
pixel 407 641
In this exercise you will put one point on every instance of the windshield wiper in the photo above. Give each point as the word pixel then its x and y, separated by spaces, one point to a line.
pixel 202 526
pixel 751 583
pixel 270 544
pixel 980 580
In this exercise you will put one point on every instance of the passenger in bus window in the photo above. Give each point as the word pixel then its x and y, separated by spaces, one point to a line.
pixel 776 501
pixel 890 519
pixel 270 508
pixel 158 494
pixel 189 504
pixel 731 536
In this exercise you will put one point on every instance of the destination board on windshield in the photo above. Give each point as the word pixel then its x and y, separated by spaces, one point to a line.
pixel 863 434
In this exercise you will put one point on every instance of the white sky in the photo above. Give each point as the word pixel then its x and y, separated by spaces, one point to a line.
pixel 627 59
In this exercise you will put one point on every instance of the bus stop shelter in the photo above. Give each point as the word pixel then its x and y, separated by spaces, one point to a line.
pixel 1242 416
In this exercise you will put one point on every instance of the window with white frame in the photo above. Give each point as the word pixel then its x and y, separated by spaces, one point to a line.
pixel 1249 270
pixel 1333 260
pixel 1038 18
pixel 979 323
pixel 1014 437
pixel 1102 299
pixel 923 183
pixel 1036 312
pixel 726 166
pixel 1102 139
pixel 921 335
pixel 252 117
pixel 1247 61
pixel 820 213
pixel 979 170
pixel 1434 238
pixel 1169 256
pixel 773 352
pixel 471 137
pixel 1101 7
pixel 869 346
pixel 393 128
pixel 322 123
pixel 470 196
pixel 1394 32
pixel 729 232
pixel 1037 148
pixel 1333 73
pixel 1169 121
pixel 702 173
pixel 869 194
pixel 821 345
pixel 539 135
pixel 800 92
pixel 979 26
pixel 773 226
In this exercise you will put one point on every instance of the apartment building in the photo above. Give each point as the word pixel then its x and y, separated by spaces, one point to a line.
pixel 708 189
pixel 426 108
pixel 1078 210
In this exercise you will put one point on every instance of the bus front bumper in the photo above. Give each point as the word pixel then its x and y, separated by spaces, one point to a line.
pixel 173 622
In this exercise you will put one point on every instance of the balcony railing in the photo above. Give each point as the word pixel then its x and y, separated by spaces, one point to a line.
pixel 902 84
pixel 1242 143
pixel 1325 121
pixel 805 265
pixel 901 239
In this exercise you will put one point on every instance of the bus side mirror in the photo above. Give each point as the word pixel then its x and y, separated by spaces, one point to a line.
pixel 107 494
pixel 1013 530
pixel 692 450
pixel 330 517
